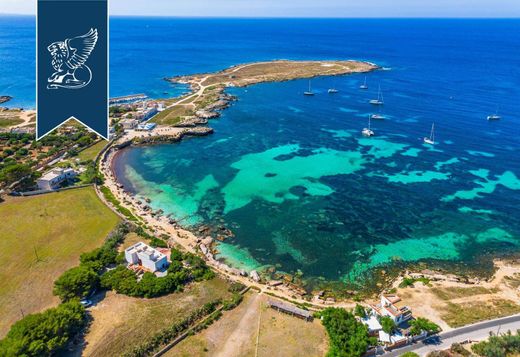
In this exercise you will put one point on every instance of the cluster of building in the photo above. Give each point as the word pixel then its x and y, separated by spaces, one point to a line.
pixel 151 259
pixel 389 306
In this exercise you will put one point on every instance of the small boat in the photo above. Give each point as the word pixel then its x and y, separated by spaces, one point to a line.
pixel 309 92
pixel 364 85
pixel 431 139
pixel 333 90
pixel 378 116
pixel 494 116
pixel 367 131
pixel 379 100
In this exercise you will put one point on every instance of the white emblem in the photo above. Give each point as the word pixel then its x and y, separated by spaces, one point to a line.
pixel 68 61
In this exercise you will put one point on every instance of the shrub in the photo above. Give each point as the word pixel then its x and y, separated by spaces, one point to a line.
pixel 388 324
pixel 44 333
pixel 158 243
pixel 348 337
pixel 409 354
pixel 421 324
pixel 77 282
pixel 499 346
pixel 360 311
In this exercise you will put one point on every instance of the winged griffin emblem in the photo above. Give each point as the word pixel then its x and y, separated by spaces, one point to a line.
pixel 68 61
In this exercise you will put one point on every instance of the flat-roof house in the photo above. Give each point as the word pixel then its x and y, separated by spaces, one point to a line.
pixel 129 123
pixel 387 307
pixel 53 178
pixel 146 256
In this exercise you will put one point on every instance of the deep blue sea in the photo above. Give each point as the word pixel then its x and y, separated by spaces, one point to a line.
pixel 292 176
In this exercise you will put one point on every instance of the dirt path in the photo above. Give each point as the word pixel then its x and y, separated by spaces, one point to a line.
pixel 240 338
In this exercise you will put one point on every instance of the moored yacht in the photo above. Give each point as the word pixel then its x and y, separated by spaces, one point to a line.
pixel 364 85
pixel 309 92
pixel 368 131
pixel 379 100
pixel 431 139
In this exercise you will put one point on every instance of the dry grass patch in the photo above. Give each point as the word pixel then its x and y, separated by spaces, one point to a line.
pixel 457 315
pixel 455 292
pixel 173 115
pixel 120 322
pixel 43 236
pixel 236 333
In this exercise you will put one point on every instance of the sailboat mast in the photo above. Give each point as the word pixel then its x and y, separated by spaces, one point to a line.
pixel 432 134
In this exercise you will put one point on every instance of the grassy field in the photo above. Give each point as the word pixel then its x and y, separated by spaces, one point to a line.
pixel 121 322
pixel 9 119
pixel 42 236
pixel 237 332
pixel 173 115
pixel 453 292
pixel 461 314
pixel 91 152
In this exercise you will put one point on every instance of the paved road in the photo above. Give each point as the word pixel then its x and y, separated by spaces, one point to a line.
pixel 475 332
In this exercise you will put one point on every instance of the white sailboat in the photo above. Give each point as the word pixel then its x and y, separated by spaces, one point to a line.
pixel 309 92
pixel 378 116
pixel 364 85
pixel 431 139
pixel 333 89
pixel 379 100
pixel 367 131
pixel 494 116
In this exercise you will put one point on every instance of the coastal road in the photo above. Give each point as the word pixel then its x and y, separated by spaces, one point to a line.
pixel 476 332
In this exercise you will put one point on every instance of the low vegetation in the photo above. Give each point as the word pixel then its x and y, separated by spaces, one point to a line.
pixel 453 292
pixel 499 345
pixel 44 334
pixel 457 315
pixel 42 237
pixel 348 337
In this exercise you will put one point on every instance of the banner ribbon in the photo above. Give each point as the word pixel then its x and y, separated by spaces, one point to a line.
pixel 72 64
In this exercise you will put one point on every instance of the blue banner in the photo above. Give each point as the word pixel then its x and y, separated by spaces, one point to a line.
pixel 72 64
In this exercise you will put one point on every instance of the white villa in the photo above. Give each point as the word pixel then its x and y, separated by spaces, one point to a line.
pixel 388 307
pixel 53 178
pixel 146 256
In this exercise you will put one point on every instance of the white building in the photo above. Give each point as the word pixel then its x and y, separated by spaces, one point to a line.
pixel 129 123
pixel 53 178
pixel 387 307
pixel 144 255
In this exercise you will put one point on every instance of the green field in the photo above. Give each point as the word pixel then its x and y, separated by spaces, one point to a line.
pixel 91 152
pixel 41 237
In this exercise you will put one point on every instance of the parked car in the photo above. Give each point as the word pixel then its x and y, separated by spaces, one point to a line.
pixel 85 302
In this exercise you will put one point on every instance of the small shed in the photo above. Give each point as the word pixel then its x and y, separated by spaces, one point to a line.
pixel 290 309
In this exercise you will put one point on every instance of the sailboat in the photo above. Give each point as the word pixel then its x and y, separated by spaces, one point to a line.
pixel 431 139
pixel 364 85
pixel 378 116
pixel 309 92
pixel 333 89
pixel 379 100
pixel 494 116
pixel 367 131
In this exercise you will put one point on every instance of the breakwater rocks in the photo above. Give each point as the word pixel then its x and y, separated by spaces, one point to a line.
pixel 5 98
pixel 174 137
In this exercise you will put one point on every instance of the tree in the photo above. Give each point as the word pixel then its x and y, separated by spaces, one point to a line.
pixel 44 333
pixel 360 311
pixel 348 337
pixel 421 324
pixel 14 172
pixel 499 346
pixel 388 324
pixel 77 282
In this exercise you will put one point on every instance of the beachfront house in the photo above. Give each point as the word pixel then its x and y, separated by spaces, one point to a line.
pixel 149 258
pixel 389 306
pixel 128 124
pixel 52 179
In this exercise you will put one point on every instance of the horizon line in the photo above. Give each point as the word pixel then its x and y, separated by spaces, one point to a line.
pixel 302 17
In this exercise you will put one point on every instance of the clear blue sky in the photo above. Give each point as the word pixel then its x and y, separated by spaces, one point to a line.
pixel 299 8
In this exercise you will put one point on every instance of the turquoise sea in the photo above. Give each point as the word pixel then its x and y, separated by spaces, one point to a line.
pixel 292 176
